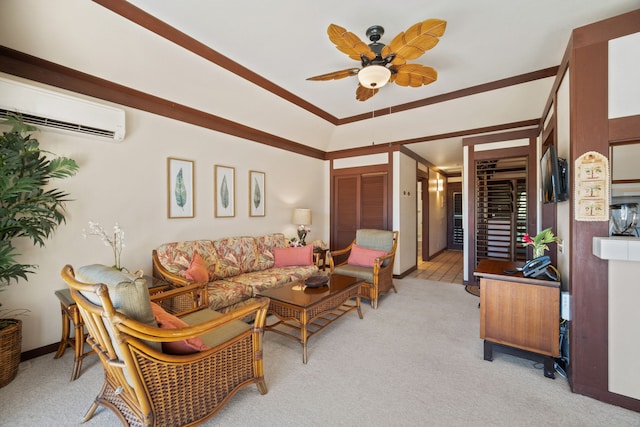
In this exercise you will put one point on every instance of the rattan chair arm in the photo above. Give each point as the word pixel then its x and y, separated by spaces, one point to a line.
pixel 160 272
pixel 151 333
pixel 339 252
pixel 377 265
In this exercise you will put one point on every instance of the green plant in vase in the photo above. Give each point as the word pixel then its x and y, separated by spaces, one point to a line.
pixel 29 209
pixel 539 241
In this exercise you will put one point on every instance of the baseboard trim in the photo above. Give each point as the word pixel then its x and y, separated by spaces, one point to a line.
pixel 37 352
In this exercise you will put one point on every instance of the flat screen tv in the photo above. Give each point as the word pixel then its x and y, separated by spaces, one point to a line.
pixel 553 171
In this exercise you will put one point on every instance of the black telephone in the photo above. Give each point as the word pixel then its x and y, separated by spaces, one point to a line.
pixel 537 267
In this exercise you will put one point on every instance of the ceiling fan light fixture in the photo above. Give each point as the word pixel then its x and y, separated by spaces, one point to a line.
pixel 374 76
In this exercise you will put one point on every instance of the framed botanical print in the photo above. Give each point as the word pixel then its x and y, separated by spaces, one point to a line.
pixel 225 191
pixel 180 189
pixel 257 195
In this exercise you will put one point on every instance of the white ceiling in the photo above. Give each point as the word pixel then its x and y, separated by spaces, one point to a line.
pixel 285 41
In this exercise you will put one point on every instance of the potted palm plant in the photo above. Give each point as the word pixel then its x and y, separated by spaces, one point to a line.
pixel 28 209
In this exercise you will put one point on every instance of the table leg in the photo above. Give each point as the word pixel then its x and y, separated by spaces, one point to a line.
pixel 64 339
pixel 79 344
pixel 303 336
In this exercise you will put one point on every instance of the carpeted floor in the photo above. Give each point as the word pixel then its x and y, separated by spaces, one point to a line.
pixel 416 360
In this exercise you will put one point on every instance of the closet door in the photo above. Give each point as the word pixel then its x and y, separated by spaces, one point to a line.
pixel 359 201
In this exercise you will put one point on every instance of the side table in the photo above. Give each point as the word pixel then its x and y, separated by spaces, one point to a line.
pixel 320 257
pixel 71 314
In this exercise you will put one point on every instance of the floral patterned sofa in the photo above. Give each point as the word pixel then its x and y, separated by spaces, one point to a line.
pixel 236 267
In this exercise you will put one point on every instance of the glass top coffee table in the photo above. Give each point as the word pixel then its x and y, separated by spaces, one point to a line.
pixel 303 311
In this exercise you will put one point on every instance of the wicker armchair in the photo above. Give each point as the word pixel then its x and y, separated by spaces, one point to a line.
pixel 144 385
pixel 378 278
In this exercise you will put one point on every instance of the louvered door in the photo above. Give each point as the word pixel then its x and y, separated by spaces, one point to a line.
pixel 501 208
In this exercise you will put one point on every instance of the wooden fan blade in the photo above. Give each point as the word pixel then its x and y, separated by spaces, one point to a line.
pixel 364 93
pixel 414 42
pixel 336 74
pixel 414 75
pixel 349 43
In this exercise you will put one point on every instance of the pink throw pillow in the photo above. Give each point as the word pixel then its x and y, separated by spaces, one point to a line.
pixel 364 257
pixel 299 255
pixel 197 271
pixel 169 321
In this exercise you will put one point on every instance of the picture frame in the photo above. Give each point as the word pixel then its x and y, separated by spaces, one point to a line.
pixel 180 188
pixel 224 191
pixel 257 193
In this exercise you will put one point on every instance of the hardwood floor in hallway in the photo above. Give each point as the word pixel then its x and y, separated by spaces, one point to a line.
pixel 445 267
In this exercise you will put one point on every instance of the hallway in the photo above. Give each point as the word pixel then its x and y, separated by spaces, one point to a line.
pixel 445 267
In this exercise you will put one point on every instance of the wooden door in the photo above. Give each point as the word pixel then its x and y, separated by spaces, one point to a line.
pixel 359 201
pixel 455 229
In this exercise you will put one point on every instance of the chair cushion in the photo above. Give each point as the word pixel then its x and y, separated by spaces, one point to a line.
pixel 129 294
pixel 218 335
pixel 364 273
pixel 364 257
pixel 169 321
pixel 381 240
pixel 197 271
pixel 300 255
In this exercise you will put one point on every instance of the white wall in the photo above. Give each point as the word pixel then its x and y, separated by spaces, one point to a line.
pixel 126 182
pixel 437 213
pixel 405 185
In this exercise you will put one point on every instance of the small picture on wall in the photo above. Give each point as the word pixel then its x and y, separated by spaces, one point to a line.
pixel 225 191
pixel 257 193
pixel 180 188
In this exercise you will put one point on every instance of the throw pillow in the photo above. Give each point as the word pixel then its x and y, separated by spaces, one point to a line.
pixel 364 257
pixel 169 321
pixel 197 271
pixel 300 255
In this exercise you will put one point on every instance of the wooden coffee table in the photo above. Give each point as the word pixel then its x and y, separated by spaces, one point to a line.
pixel 302 311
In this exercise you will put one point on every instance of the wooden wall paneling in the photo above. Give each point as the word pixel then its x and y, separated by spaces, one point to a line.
pixel 589 274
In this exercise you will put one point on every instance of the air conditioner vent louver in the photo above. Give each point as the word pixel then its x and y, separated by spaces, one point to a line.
pixel 48 109
pixel 58 124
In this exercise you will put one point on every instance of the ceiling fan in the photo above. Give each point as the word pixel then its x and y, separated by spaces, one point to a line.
pixel 386 63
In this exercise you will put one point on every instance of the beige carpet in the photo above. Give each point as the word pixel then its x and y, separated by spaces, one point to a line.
pixel 415 361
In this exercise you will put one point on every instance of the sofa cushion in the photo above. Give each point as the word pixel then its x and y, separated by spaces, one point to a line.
pixel 300 255
pixel 364 257
pixel 266 244
pixel 274 277
pixel 224 293
pixel 197 271
pixel 169 321
pixel 236 255
pixel 176 256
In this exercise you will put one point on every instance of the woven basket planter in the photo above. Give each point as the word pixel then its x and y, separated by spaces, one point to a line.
pixel 10 346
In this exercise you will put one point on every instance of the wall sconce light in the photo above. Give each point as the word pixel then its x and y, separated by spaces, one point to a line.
pixel 440 185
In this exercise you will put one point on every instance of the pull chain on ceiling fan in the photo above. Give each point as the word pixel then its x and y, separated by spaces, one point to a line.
pixel 382 63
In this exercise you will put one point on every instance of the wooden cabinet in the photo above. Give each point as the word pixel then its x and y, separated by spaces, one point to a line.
pixel 519 315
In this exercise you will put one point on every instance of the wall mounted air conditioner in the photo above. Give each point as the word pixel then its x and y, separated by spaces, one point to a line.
pixel 44 108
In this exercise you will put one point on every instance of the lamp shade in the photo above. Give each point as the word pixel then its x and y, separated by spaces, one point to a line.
pixel 374 76
pixel 302 216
